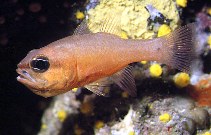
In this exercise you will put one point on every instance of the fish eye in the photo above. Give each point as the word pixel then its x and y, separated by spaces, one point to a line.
pixel 39 64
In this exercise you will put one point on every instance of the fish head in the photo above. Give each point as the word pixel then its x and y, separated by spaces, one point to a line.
pixel 46 72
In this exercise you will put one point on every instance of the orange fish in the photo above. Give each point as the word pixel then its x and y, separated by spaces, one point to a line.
pixel 95 60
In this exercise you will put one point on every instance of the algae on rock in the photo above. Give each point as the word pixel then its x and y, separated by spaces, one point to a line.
pixel 134 15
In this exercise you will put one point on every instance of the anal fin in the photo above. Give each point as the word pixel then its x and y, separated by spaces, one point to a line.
pixel 125 80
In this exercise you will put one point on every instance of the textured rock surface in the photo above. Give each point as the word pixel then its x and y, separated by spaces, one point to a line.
pixel 134 16
pixel 160 108
pixel 143 118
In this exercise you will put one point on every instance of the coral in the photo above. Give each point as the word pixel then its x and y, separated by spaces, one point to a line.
pixel 78 130
pixel 62 115
pixel 87 105
pixel 63 106
pixel 134 16
pixel 126 126
pixel 86 108
pixel 75 89
pixel 155 70
pixel 143 62
pixel 183 117
pixel 124 35
pixel 209 11
pixel 125 94
pixel 207 133
pixel 201 91
pixel 163 30
pixel 79 15
pixel 209 40
pixel 99 124
pixel 182 3
pixel 181 79
pixel 165 117
pixel 131 133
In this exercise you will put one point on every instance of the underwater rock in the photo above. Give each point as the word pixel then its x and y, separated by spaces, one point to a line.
pixel 143 118
pixel 200 116
pixel 188 125
pixel 63 106
pixel 180 114
pixel 134 18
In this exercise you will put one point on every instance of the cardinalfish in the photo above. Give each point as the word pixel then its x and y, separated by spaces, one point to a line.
pixel 95 60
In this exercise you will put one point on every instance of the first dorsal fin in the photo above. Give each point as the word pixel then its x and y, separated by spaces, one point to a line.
pixel 125 80
pixel 110 23
pixel 82 28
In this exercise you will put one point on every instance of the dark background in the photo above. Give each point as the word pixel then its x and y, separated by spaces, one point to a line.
pixel 26 25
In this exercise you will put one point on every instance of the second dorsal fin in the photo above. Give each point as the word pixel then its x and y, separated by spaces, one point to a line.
pixel 82 28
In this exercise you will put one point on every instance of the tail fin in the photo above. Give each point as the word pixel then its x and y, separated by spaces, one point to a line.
pixel 182 43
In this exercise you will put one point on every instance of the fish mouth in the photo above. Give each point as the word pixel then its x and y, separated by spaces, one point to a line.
pixel 26 79
pixel 24 76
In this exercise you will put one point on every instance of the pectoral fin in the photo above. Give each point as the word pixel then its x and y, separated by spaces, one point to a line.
pixel 100 87
pixel 125 80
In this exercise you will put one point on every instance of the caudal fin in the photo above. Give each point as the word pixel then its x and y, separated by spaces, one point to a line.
pixel 182 43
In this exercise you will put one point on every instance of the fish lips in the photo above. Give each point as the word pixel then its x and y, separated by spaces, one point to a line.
pixel 26 79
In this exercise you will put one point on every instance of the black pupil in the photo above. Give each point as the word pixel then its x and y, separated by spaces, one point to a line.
pixel 40 64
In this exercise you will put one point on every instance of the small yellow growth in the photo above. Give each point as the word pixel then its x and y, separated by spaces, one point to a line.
pixel 207 133
pixel 74 89
pixel 209 40
pixel 61 115
pixel 124 35
pixel 79 15
pixel 163 30
pixel 150 106
pixel 143 62
pixel 99 124
pixel 165 117
pixel 131 133
pixel 86 108
pixel 155 70
pixel 125 94
pixel 181 3
pixel 106 90
pixel 209 11
pixel 78 130
pixel 43 126
pixel 181 79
